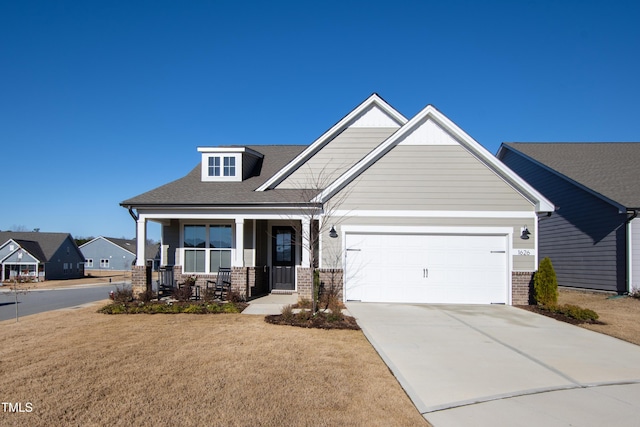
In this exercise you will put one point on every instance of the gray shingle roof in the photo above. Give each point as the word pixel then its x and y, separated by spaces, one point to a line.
pixel 130 245
pixel 49 243
pixel 33 248
pixel 611 169
pixel 190 190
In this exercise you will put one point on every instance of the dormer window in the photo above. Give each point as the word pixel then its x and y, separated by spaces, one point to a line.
pixel 227 163
pixel 222 166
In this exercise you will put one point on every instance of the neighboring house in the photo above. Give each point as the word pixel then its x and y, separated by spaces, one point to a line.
pixel 108 253
pixel 593 238
pixel 42 256
pixel 408 211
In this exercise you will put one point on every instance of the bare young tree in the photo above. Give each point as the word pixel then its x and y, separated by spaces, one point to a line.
pixel 317 218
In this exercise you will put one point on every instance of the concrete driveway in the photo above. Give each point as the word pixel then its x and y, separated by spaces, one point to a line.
pixel 503 366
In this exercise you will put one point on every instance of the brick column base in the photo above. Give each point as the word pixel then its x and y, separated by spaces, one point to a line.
pixel 332 279
pixel 522 287
pixel 138 279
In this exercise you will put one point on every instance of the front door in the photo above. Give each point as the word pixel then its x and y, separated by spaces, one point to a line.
pixel 283 258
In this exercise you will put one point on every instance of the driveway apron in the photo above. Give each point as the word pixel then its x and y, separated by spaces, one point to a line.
pixel 500 365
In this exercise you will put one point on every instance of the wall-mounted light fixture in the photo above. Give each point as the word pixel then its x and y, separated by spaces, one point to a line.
pixel 524 233
pixel 333 233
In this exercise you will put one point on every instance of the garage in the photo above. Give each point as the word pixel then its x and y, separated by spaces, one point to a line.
pixel 427 268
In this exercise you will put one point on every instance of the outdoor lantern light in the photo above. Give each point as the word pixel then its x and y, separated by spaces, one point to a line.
pixel 525 233
pixel 333 233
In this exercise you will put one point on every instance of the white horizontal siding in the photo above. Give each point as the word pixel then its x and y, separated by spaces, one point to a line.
pixel 336 157
pixel 432 177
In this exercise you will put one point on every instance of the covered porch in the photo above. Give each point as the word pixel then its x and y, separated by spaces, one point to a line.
pixel 268 253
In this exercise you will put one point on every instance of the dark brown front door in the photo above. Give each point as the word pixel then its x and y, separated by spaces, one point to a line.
pixel 283 258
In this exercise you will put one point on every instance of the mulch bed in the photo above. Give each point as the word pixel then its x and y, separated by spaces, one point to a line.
pixel 319 321
pixel 558 316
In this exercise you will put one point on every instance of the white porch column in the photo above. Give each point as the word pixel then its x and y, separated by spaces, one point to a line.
pixel 306 247
pixel 141 241
pixel 239 258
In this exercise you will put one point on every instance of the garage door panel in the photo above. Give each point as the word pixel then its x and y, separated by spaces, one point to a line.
pixel 426 268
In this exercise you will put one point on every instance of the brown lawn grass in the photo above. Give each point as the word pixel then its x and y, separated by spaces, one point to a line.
pixel 621 315
pixel 78 367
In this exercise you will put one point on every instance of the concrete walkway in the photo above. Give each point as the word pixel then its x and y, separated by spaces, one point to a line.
pixel 503 366
pixel 270 304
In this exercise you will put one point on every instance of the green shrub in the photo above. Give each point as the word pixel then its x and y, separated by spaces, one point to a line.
pixel 545 284
pixel 577 313
pixel 228 307
pixel 193 309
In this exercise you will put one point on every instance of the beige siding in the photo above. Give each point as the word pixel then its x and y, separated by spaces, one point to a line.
pixel 431 177
pixel 336 157
pixel 333 253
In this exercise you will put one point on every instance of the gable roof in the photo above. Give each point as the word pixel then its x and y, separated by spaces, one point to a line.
pixel 129 245
pixel 33 248
pixel 431 113
pixel 279 162
pixel 610 170
pixel 372 103
pixel 48 243
pixel 190 190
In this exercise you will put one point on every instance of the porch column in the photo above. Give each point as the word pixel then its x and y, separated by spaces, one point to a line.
pixel 239 258
pixel 141 240
pixel 306 247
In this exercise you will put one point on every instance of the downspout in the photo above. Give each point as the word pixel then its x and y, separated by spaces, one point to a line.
pixel 629 248
pixel 133 214
pixel 135 218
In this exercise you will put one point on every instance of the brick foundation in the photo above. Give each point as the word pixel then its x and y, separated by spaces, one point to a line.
pixel 522 287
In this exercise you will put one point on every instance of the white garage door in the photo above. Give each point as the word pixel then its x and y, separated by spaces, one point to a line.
pixel 456 269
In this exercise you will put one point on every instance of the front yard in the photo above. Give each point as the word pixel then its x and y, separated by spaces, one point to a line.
pixel 79 367
pixel 620 315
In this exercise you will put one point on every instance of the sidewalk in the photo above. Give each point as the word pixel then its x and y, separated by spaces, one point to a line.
pixel 270 304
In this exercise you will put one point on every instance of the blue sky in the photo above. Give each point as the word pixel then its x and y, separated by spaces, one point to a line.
pixel 102 101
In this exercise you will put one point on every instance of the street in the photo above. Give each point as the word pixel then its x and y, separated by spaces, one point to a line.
pixel 38 301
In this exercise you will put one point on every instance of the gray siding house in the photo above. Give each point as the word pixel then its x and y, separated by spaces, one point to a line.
pixel 389 209
pixel 593 238
pixel 41 256
pixel 108 253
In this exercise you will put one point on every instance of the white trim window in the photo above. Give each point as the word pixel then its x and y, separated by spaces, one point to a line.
pixel 207 247
pixel 88 262
pixel 104 263
pixel 222 166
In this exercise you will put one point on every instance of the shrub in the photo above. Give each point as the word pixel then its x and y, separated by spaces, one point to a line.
pixel 635 293
pixel 182 293
pixel 335 306
pixel 303 303
pixel 193 309
pixel 234 296
pixel 577 313
pixel 287 313
pixel 229 307
pixel 545 284
pixel 209 295
pixel 146 296
pixel 123 294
